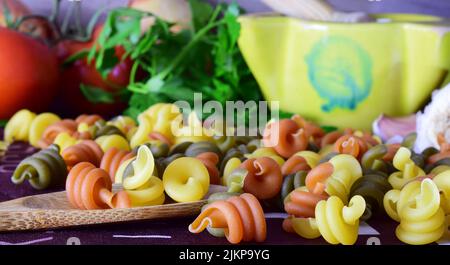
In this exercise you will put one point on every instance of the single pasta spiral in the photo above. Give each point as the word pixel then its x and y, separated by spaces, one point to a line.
pixel 266 152
pixel 242 218
pixel 107 142
pixel 337 223
pixel 417 207
pixel 380 157
pixel 304 160
pixel 162 115
pixel 302 203
pixel 38 126
pixel 44 169
pixel 191 132
pixel 335 177
pixel 286 137
pixel 88 119
pixel 210 160
pixel 263 178
pixel 112 159
pixel 17 128
pixel 141 185
pixel 372 188
pixel 186 179
pixel 442 181
pixel 84 151
pixel 408 170
pixel 352 145
pixel 89 188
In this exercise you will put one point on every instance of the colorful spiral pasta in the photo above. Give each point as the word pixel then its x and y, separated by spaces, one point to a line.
pixel 408 170
pixel 43 169
pixel 266 152
pixel 64 141
pixel 143 188
pixel 285 137
pixel 304 160
pixel 417 207
pixel 112 159
pixel 194 149
pixel 302 203
pixel 191 132
pixel 235 180
pixel 38 126
pixel 84 151
pixel 162 115
pixel 88 119
pixel 89 188
pixel 210 160
pixel 337 223
pixel 113 141
pixel 372 188
pixel 103 130
pixel 335 177
pixel 17 128
pixel 352 145
pixel 241 217
pixel 264 177
pixel 186 179
pixel 63 126
pixel 124 123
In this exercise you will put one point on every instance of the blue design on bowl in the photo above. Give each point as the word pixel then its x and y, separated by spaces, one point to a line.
pixel 340 70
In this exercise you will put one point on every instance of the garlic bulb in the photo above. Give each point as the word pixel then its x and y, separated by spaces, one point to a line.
pixel 434 120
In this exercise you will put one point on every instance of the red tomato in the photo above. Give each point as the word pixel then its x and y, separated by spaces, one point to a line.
pixel 80 72
pixel 28 73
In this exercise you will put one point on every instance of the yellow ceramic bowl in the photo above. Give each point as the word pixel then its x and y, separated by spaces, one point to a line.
pixel 347 74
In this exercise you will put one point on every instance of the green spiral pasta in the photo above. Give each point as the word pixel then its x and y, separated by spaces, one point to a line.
pixel 372 188
pixel 42 170
pixel 158 149
pixel 202 147
pixel 224 142
pixel 107 130
pixel 179 148
pixel 290 183
pixel 373 159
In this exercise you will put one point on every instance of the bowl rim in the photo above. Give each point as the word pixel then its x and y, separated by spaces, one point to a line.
pixel 381 19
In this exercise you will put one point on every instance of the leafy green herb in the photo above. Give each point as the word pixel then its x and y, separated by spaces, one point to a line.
pixel 204 58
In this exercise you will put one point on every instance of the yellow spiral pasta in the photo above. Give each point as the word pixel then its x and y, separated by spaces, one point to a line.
pixel 17 128
pixel 417 208
pixel 408 170
pixel 124 123
pixel 38 126
pixel 336 176
pixel 142 187
pixel 162 115
pixel 65 140
pixel 337 223
pixel 266 152
pixel 192 132
pixel 186 179
pixel 107 142
pixel 140 136
pixel 442 181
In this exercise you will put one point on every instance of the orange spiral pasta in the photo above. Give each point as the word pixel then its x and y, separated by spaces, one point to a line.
pixel 112 160
pixel 89 188
pixel 302 203
pixel 241 216
pixel 50 133
pixel 286 137
pixel 64 126
pixel 294 164
pixel 444 150
pixel 312 129
pixel 84 151
pixel 264 177
pixel 160 137
pixel 330 138
pixel 210 160
pixel 88 119
pixel 352 145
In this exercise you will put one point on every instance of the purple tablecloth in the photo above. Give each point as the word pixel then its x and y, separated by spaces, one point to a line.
pixel 161 232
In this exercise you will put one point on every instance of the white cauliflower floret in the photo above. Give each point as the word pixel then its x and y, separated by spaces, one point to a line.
pixel 434 120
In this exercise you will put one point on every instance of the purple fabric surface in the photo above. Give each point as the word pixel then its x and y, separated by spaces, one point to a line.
pixel 161 232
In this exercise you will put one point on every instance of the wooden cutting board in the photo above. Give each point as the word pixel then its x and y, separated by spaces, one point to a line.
pixel 52 210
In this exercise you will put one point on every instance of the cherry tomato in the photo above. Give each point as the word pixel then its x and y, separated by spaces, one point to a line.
pixel 81 72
